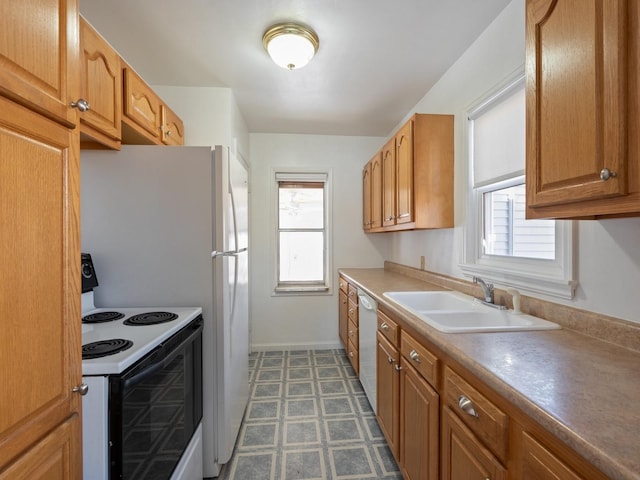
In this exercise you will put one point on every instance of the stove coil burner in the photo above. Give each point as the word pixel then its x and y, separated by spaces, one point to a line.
pixel 104 348
pixel 150 318
pixel 102 317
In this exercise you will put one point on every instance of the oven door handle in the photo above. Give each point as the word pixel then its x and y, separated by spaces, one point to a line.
pixel 154 368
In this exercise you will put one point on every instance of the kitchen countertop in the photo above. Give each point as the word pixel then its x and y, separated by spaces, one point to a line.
pixel 581 389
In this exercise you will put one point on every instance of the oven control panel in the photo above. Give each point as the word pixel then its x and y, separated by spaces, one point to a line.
pixel 89 279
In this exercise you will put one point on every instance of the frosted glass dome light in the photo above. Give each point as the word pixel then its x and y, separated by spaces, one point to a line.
pixel 289 45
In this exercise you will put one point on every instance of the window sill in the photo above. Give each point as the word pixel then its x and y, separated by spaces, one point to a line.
pixel 293 290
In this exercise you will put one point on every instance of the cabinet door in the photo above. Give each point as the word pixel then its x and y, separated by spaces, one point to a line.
pixel 172 127
pixel 40 345
pixel 376 191
pixel 419 426
pixel 538 463
pixel 366 197
pixel 343 317
pixel 141 105
pixel 38 56
pixel 404 174
pixel 389 183
pixel 463 456
pixel 388 393
pixel 575 109
pixel 101 86
pixel 52 458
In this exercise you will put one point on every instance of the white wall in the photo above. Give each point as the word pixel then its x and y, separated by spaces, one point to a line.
pixel 306 321
pixel 608 254
pixel 210 115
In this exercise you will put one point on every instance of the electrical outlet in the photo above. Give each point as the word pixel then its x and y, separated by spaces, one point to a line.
pixel 422 265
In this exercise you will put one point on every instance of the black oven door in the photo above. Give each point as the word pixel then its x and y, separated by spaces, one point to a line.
pixel 155 407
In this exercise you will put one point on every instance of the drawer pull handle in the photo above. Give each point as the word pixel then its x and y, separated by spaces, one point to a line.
pixel 390 360
pixel 413 355
pixel 397 367
pixel 351 354
pixel 384 326
pixel 467 406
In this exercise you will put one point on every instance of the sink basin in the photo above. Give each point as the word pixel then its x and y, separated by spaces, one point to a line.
pixel 427 301
pixel 454 312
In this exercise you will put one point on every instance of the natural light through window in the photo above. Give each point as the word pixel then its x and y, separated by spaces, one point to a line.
pixel 302 232
pixel 501 245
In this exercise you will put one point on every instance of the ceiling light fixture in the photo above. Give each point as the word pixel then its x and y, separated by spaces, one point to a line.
pixel 290 45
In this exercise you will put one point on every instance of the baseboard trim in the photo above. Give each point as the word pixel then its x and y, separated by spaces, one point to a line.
pixel 270 347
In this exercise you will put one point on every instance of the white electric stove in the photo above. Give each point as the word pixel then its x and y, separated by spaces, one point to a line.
pixel 143 409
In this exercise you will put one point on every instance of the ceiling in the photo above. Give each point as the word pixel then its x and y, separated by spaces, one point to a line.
pixel 377 58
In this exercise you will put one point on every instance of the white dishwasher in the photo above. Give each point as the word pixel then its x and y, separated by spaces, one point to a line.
pixel 367 328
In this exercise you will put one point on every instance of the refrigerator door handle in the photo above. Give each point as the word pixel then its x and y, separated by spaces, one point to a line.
pixel 229 253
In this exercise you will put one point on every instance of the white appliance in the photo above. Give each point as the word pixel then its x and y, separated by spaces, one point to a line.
pixel 367 328
pixel 178 216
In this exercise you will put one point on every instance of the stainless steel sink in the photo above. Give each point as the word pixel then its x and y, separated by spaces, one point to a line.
pixel 454 312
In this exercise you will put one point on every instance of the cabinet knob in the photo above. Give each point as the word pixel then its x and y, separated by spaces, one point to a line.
pixel 384 326
pixel 168 133
pixel 413 355
pixel 606 174
pixel 82 389
pixel 81 105
pixel 397 367
pixel 351 354
pixel 467 406
pixel 390 360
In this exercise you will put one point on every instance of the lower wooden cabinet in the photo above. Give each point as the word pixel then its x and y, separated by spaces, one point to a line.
pixel 53 458
pixel 343 317
pixel 419 426
pixel 463 456
pixel 388 393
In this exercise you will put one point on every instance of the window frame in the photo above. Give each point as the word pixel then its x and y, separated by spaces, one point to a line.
pixel 529 275
pixel 301 175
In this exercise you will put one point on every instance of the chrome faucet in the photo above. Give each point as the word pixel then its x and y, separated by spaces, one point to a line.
pixel 487 289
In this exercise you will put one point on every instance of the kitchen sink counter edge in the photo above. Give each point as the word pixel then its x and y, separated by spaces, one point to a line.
pixel 579 388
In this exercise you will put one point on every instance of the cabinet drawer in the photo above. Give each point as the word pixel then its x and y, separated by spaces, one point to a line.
pixel 344 285
pixel 388 328
pixel 352 352
pixel 353 334
pixel 353 312
pixel 419 357
pixel 353 293
pixel 487 421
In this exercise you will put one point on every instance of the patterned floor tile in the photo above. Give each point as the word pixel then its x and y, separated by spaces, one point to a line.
pixel 308 419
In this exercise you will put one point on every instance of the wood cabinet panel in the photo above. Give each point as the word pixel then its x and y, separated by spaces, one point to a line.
pixel 376 191
pixel 39 52
pixel 141 108
pixel 388 328
pixel 463 456
pixel 388 393
pixel 52 458
pixel 101 86
pixel 41 341
pixel 417 355
pixel 366 197
pixel 354 357
pixel 419 426
pixel 389 183
pixel 581 114
pixel 172 127
pixel 343 317
pixel 404 174
pixel 482 416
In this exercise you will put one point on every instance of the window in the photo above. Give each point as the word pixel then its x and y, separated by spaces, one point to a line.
pixel 302 240
pixel 500 243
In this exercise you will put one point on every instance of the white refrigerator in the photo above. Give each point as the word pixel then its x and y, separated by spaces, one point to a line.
pixel 169 226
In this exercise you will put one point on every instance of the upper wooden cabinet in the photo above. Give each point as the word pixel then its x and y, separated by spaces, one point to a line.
pixel 372 193
pixel 101 87
pixel 145 118
pixel 39 53
pixel 172 127
pixel 417 176
pixel 583 152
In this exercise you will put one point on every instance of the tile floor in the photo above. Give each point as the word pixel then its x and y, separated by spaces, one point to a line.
pixel 308 418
